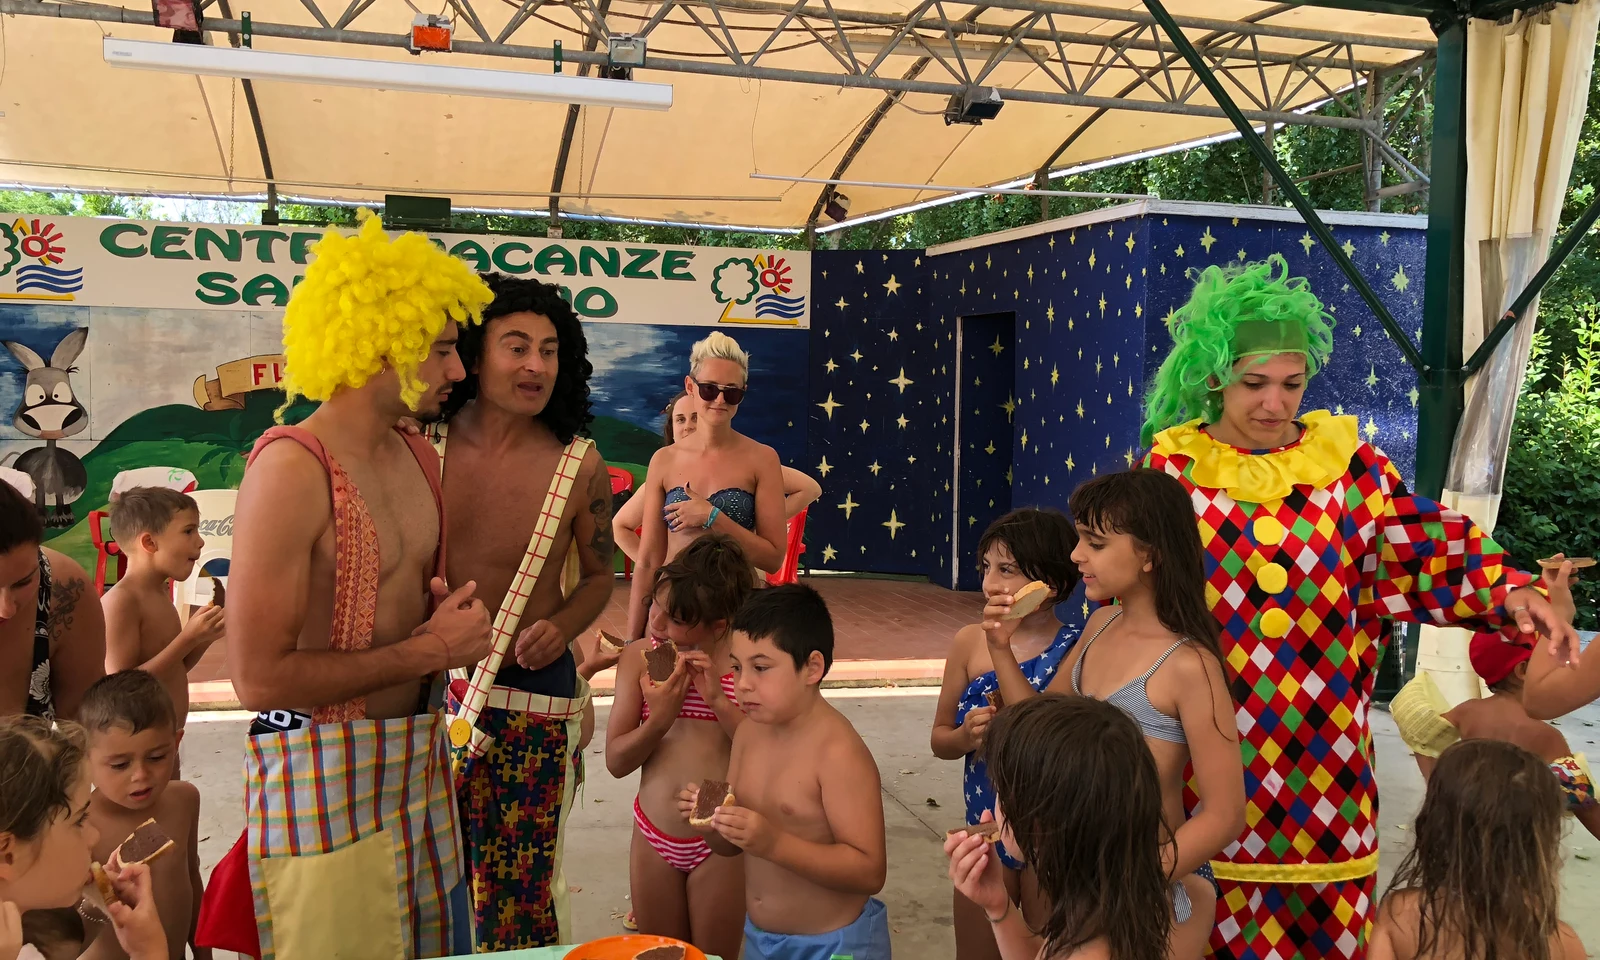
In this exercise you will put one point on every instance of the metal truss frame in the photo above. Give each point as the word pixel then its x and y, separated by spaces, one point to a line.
pixel 951 52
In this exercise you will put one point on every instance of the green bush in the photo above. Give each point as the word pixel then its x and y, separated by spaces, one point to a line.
pixel 1552 491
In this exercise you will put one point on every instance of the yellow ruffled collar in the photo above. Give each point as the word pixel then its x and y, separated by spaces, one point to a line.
pixel 1320 456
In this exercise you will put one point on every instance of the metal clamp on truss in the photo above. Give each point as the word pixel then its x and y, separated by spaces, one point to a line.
pixel 973 105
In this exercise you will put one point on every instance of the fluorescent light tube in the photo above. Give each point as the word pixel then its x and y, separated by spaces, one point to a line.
pixel 385 75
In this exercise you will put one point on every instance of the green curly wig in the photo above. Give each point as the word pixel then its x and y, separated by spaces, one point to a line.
pixel 1254 310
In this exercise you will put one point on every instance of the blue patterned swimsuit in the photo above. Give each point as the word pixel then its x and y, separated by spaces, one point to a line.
pixel 739 505
pixel 976 788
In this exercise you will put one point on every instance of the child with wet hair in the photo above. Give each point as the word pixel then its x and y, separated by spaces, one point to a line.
pixel 46 838
pixel 1483 878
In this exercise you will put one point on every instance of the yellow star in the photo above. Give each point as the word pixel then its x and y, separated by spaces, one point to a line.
pixel 1024 438
pixel 1348 248
pixel 1307 242
pixel 963 288
pixel 1127 282
pixel 1070 464
pixel 1108 441
pixel 902 421
pixel 917 262
pixel 971 267
pixel 990 448
pixel 1370 429
pixel 893 286
pixel 1072 237
pixel 1116 358
pixel 842 303
pixel 1030 273
pixel 1179 251
pixel 1383 238
pixel 1111 230
pixel 1236 221
pixel 893 523
pixel 1098 366
pixel 1130 386
pixel 1102 304
pixel 894 335
pixel 1009 480
pixel 828 553
pixel 1010 407
pixel 874 468
pixel 824 467
pixel 848 505
pixel 1138 310
pixel 1129 244
pixel 1372 376
pixel 1055 374
pixel 1080 409
pixel 1108 399
pixel 830 405
pixel 1241 254
pixel 911 459
pixel 1025 361
pixel 1129 456
pixel 1047 479
pixel 864 425
pixel 1356 330
pixel 1400 280
pixel 1094 469
pixel 830 366
pixel 1413 395
pixel 902 381
pixel 859 267
pixel 1016 294
pixel 997 346
pixel 1052 241
pixel 988 261
pixel 1050 313
pixel 1206 240
pixel 855 356
pixel 1091 259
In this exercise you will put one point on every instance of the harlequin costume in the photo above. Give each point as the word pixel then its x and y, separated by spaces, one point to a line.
pixel 351 845
pixel 514 751
pixel 1307 547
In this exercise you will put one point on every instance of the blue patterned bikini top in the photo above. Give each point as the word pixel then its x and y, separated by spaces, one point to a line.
pixel 739 505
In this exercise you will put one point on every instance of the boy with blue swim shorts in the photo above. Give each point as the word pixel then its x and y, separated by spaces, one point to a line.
pixel 805 802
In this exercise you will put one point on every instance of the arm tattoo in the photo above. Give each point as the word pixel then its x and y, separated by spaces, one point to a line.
pixel 65 594
pixel 602 544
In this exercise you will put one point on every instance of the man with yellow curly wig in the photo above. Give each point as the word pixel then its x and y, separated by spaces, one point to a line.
pixel 342 620
pixel 1311 540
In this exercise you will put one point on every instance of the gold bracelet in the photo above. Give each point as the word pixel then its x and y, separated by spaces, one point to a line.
pixel 1003 916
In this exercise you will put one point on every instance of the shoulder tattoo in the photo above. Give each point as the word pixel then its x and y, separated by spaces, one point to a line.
pixel 64 596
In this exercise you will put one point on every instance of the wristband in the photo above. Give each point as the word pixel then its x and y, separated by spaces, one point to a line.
pixel 711 519
pixel 996 921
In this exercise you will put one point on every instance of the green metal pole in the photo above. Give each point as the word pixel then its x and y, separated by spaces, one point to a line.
pixel 1441 400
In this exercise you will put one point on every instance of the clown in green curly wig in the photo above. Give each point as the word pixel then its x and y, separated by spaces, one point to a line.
pixel 369 303
pixel 1254 311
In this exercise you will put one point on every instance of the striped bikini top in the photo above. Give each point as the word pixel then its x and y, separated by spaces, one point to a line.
pixel 1132 697
pixel 695 706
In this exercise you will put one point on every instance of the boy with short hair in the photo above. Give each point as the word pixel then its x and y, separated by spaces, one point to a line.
pixel 133 745
pixel 807 805
pixel 158 529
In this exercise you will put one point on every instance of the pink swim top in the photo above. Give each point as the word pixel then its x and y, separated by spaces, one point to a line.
pixel 694 705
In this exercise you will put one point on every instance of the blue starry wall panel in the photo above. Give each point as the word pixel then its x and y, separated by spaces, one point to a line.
pixel 879 370
pixel 984 428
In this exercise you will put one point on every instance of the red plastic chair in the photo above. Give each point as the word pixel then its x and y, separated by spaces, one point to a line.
pixel 105 548
pixel 790 571
pixel 622 480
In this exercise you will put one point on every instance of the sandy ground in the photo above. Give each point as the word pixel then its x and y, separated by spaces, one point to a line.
pixel 922 798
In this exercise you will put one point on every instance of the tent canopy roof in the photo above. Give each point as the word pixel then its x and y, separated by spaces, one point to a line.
pixel 854 90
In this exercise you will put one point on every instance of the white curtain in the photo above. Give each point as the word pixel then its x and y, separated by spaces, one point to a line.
pixel 1527 91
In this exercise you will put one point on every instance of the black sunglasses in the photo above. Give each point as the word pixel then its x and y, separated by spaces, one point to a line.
pixel 708 392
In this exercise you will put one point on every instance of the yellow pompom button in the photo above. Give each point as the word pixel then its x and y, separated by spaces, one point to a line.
pixel 1275 624
pixel 1269 532
pixel 460 732
pixel 1272 578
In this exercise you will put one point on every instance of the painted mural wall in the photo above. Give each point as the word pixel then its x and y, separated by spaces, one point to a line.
pixel 133 344
pixel 1058 400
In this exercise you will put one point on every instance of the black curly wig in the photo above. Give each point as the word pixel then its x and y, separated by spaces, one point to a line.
pixel 568 413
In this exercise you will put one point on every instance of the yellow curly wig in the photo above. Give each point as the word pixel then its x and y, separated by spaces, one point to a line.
pixel 368 302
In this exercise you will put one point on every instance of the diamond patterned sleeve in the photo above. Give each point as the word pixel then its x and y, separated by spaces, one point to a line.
pixel 1426 562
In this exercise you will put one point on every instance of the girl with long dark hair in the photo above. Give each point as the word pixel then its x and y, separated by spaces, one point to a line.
pixel 1078 797
pixel 1483 878
pixel 1153 653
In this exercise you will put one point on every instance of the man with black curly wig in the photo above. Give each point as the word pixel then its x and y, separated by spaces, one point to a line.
pixel 523 489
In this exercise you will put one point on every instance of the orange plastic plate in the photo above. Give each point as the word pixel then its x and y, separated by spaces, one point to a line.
pixel 627 947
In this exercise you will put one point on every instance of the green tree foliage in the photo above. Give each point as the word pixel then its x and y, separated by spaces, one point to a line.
pixel 1553 471
pixel 73 204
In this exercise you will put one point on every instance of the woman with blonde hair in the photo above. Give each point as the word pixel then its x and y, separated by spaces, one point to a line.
pixel 716 479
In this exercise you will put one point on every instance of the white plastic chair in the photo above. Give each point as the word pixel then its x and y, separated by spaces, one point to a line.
pixel 19 480
pixel 173 478
pixel 216 527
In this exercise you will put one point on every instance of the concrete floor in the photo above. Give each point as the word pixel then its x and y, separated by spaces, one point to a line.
pixel 922 798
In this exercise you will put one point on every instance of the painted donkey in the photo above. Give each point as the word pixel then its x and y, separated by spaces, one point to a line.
pixel 51 412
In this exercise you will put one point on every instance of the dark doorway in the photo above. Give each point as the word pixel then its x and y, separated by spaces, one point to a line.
pixel 985 399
